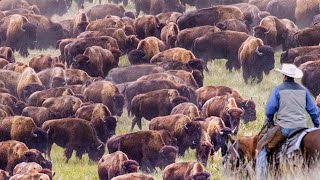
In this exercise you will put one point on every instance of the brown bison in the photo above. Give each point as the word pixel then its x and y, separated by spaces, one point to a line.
pixel 273 32
pixel 48 32
pixel 116 164
pixel 193 79
pixel 18 33
pixel 40 114
pixel 248 105
pixel 133 176
pixel 101 119
pixel 53 77
pixel 77 76
pixel 42 62
pixel 305 11
pixel 84 142
pixel 308 36
pixel 169 34
pixel 7 53
pixel 13 4
pixel 16 67
pixel 305 58
pixel 153 104
pixel 14 152
pixel 186 171
pixel 226 108
pixel 233 25
pixel 50 7
pixel 79 46
pixel 37 98
pixel 255 58
pixel 41 176
pixel 218 13
pixel 145 147
pixel 28 83
pixel 79 23
pixel 66 105
pixel 107 93
pixel 309 79
pixel 103 10
pixel 165 18
pixel 146 49
pixel 173 54
pixel 155 7
pixel 186 37
pixel 188 109
pixel 139 87
pixel 289 55
pixel 186 132
pixel 12 102
pixel 146 26
pixel 24 129
pixel 132 73
pixel 204 148
pixel 25 168
pixel 220 45
pixel 104 24
pixel 96 61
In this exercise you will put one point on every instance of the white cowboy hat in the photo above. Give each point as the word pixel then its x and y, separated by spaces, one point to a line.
pixel 290 70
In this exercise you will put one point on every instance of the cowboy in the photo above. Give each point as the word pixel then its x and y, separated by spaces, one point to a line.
pixel 288 101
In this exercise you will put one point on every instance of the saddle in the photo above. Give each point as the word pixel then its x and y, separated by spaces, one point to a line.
pixel 291 145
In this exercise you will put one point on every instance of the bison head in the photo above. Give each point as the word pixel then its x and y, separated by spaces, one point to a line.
pixel 81 27
pixel 193 133
pixel 203 152
pixel 58 82
pixel 200 176
pixel 39 139
pixel 18 107
pixel 132 42
pixel 198 77
pixel 30 31
pixel 260 32
pixel 249 108
pixel 96 151
pixel 130 166
pixel 33 155
pixel 117 105
pixel 233 118
pixel 31 88
pixel 168 155
pixel 267 58
pixel 197 64
pixel 109 126
pixel 137 56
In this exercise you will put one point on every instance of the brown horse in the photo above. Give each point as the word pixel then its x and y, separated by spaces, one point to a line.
pixel 242 150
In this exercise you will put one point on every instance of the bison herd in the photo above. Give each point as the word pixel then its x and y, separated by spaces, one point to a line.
pixel 74 100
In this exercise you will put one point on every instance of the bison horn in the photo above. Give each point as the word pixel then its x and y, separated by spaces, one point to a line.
pixel 34 135
pixel 185 126
pixel 258 52
pixel 23 30
pixel 234 130
pixel 100 146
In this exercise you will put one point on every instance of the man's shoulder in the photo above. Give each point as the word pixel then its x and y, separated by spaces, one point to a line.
pixel 290 86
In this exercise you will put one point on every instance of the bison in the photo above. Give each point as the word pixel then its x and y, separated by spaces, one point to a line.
pixel 53 77
pixel 116 164
pixel 309 79
pixel 187 109
pixel 185 170
pixel 40 114
pixel 153 104
pixel 186 132
pixel 255 58
pixel 155 7
pixel 145 147
pixel 66 105
pixel 85 142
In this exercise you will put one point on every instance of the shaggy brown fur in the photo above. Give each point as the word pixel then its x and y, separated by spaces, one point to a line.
pixel 12 102
pixel 14 152
pixel 233 25
pixel 289 55
pixel 104 24
pixel 131 73
pixel 169 34
pixel 305 11
pixel 40 114
pixel 153 104
pixel 100 117
pixel 187 109
pixel 116 164
pixel 3 63
pixel 204 148
pixel 16 67
pixel 186 132
pixel 85 142
pixel 147 26
pixel 107 93
pixel 28 83
pixel 102 10
pixel 133 176
pixel 41 62
pixel 187 77
pixel 224 107
pixel 76 76
pixel 187 36
pixel 10 80
pixel 309 79
pixel 79 23
pixel 155 7
pixel 96 61
pixel 37 98
pixel 255 59
pixel 30 176
pixel 146 147
pixel 185 170
pixel 248 105
pixel 165 18
pixel 26 168
pixel 66 105
pixel 53 77
pixel 176 54
pixel 7 53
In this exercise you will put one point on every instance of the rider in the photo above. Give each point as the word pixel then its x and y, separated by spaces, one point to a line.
pixel 289 101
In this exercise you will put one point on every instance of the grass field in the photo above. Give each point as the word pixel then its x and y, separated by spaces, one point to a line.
pixel 217 75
